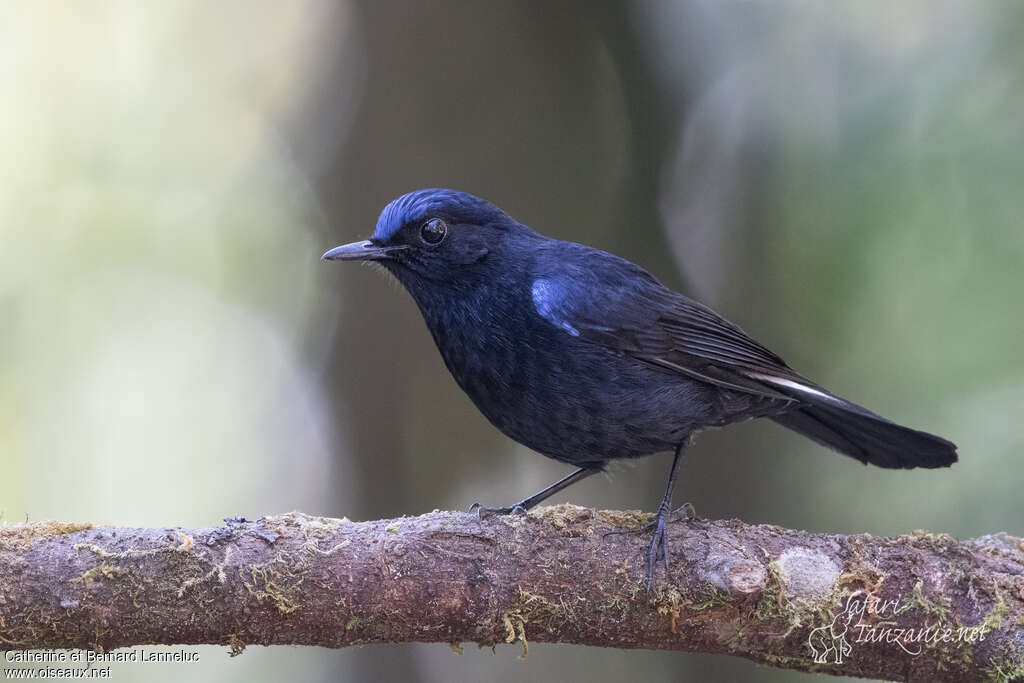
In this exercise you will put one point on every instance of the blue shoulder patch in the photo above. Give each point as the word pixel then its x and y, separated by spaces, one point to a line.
pixel 549 301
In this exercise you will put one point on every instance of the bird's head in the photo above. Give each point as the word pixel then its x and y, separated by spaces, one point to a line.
pixel 432 235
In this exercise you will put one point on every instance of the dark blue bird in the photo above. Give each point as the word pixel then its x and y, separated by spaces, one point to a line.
pixel 586 357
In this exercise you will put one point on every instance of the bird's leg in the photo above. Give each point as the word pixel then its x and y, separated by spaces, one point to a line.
pixel 527 503
pixel 660 540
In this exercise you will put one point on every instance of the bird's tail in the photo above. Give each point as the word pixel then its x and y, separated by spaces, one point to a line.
pixel 859 433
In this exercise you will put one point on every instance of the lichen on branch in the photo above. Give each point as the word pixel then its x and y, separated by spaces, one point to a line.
pixel 916 607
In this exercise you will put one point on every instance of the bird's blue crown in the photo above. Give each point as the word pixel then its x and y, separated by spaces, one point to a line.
pixel 422 204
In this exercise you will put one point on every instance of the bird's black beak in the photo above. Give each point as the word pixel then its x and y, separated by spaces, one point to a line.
pixel 360 251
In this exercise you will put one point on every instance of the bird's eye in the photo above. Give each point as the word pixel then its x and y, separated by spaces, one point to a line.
pixel 433 231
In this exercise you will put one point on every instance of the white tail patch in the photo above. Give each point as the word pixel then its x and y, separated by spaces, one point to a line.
pixel 796 386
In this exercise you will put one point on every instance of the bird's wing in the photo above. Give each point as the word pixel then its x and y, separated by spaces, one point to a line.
pixel 618 305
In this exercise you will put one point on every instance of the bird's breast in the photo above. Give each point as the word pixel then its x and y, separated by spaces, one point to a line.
pixel 549 390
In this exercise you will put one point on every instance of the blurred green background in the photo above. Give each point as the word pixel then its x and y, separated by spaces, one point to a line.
pixel 844 180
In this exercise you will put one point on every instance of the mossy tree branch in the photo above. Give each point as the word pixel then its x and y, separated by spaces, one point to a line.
pixel 776 596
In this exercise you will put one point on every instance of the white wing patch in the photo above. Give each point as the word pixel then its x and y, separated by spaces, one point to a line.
pixel 548 298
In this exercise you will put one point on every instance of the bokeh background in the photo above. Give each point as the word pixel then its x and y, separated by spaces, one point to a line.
pixel 844 180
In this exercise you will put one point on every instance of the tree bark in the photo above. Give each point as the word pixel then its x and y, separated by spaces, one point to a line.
pixel 917 607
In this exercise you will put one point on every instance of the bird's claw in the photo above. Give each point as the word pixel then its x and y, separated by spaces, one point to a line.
pixel 482 512
pixel 638 530
pixel 686 512
pixel 659 542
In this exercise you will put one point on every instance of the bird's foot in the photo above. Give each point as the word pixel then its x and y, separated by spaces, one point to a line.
pixel 659 542
pixel 482 511
pixel 685 511
pixel 659 545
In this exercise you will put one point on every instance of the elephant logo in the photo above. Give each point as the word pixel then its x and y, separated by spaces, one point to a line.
pixel 830 641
